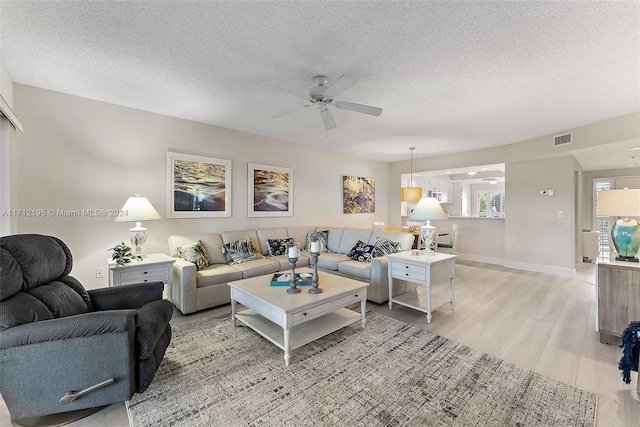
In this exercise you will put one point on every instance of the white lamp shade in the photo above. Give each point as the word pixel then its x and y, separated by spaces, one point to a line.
pixel 427 209
pixel 137 209
pixel 619 203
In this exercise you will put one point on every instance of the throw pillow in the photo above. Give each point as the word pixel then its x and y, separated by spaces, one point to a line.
pixel 196 253
pixel 278 246
pixel 323 238
pixel 384 246
pixel 361 252
pixel 240 251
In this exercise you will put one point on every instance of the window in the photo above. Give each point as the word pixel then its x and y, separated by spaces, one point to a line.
pixel 490 204
pixel 603 223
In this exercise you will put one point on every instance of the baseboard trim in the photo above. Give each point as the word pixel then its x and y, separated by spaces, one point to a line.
pixel 557 271
pixel 480 258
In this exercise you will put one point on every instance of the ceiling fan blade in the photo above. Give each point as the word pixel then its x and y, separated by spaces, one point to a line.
pixel 358 108
pixel 339 86
pixel 327 118
pixel 289 111
pixel 290 92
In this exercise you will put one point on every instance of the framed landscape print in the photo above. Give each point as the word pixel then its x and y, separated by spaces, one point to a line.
pixel 359 194
pixel 197 186
pixel 270 191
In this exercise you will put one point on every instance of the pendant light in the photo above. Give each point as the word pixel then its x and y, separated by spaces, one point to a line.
pixel 411 194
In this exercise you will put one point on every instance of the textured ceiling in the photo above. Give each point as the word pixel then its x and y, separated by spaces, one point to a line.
pixel 450 76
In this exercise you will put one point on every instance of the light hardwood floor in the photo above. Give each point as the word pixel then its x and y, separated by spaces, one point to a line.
pixel 541 322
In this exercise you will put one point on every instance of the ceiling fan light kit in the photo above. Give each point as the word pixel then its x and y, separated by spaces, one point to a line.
pixel 323 97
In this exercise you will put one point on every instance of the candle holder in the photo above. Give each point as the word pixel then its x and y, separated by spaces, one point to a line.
pixel 315 253
pixel 292 254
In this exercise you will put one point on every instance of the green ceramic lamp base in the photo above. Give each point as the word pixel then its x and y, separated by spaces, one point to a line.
pixel 625 235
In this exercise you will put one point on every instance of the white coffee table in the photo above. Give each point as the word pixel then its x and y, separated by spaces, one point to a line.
pixel 292 320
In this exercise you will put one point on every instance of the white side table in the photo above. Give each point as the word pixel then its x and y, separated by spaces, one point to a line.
pixel 153 268
pixel 423 269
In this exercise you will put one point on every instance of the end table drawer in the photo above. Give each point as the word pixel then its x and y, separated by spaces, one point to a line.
pixel 328 306
pixel 401 270
pixel 146 275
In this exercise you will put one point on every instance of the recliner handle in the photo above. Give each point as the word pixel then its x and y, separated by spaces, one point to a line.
pixel 72 395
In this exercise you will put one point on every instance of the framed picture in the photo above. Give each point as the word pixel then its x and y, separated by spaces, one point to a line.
pixel 197 186
pixel 359 194
pixel 270 191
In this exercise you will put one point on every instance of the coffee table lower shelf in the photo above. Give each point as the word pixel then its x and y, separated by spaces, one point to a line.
pixel 300 334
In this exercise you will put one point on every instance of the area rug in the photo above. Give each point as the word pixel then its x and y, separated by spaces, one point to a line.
pixel 388 374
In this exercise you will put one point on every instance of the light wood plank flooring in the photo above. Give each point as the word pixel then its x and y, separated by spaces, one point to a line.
pixel 541 322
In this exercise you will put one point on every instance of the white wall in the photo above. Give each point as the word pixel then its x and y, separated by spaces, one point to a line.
pixel 546 242
pixel 77 153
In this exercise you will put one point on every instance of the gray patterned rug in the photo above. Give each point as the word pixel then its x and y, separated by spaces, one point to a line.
pixel 389 374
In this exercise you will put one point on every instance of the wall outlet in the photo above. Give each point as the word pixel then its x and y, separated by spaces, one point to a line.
pixel 99 273
pixel 517 247
pixel 542 192
pixel 560 214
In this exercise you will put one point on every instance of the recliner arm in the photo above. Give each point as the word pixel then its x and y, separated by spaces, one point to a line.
pixel 81 325
pixel 126 296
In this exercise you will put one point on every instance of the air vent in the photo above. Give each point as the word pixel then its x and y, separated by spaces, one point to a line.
pixel 562 139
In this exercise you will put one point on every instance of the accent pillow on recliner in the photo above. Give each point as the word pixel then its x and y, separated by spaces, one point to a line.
pixel 196 253
pixel 361 252
pixel 240 251
pixel 278 246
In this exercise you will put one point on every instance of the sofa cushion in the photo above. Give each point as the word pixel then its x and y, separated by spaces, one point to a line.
pixel 299 235
pixel 350 237
pixel 258 267
pixel 216 274
pixel 270 233
pixel 241 250
pixel 212 241
pixel 196 253
pixel 278 246
pixel 303 261
pixel 333 239
pixel 330 260
pixel 361 252
pixel 361 270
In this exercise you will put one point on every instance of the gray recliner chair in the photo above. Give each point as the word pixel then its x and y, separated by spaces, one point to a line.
pixel 63 348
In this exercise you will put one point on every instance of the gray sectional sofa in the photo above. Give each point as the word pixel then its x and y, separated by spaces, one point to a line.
pixel 193 290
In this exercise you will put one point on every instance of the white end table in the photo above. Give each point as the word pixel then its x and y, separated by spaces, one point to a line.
pixel 152 268
pixel 423 269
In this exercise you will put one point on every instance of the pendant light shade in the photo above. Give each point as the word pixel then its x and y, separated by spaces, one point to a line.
pixel 411 194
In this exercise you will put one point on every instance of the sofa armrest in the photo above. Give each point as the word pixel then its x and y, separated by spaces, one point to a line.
pixel 126 296
pixel 65 328
pixel 183 291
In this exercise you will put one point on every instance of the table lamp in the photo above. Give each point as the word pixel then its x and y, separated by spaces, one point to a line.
pixel 137 209
pixel 625 232
pixel 428 208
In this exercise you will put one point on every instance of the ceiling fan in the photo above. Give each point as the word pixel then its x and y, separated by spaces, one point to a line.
pixel 323 96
